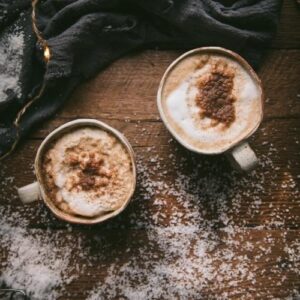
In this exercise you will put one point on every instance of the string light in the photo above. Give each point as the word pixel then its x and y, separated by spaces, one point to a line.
pixel 46 53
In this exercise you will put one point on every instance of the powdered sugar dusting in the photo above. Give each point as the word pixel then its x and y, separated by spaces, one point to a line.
pixel 31 264
pixel 195 228
pixel 36 260
pixel 200 248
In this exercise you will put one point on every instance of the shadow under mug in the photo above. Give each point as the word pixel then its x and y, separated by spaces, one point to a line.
pixel 239 153
pixel 36 191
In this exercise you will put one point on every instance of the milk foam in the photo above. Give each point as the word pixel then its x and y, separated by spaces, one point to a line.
pixel 81 204
pixel 183 112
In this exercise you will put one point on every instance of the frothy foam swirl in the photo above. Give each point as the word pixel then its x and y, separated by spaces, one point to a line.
pixel 88 172
pixel 211 101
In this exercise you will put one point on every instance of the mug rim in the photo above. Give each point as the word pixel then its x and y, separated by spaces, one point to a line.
pixel 37 166
pixel 244 64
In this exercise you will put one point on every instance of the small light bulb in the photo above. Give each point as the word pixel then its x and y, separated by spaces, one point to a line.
pixel 47 53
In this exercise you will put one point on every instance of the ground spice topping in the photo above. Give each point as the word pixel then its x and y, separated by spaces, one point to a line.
pixel 215 97
pixel 91 172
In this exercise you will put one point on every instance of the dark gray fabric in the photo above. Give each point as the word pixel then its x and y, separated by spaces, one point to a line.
pixel 84 36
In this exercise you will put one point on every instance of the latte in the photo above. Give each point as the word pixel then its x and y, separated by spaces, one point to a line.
pixel 210 101
pixel 87 172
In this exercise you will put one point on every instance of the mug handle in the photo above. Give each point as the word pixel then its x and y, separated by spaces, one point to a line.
pixel 242 157
pixel 30 192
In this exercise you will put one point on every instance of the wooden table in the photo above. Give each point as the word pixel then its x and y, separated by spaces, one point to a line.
pixel 195 229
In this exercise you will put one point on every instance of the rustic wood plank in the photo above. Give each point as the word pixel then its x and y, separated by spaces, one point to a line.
pixel 268 259
pixel 280 74
pixel 269 196
pixel 127 89
pixel 254 218
pixel 288 35
pixel 273 276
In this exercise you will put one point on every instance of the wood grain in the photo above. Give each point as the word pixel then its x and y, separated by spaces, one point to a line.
pixel 268 270
pixel 289 27
pixel 276 143
pixel 264 205
pixel 127 89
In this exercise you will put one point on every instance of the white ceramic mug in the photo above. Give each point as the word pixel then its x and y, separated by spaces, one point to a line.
pixel 240 154
pixel 36 191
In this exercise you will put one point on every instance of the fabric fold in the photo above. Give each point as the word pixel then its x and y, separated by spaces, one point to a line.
pixel 86 36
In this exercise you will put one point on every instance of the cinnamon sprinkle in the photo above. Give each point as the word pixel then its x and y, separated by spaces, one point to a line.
pixel 91 171
pixel 215 96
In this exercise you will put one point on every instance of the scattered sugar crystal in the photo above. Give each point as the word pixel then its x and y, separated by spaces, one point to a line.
pixel 195 257
pixel 185 236
pixel 33 263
